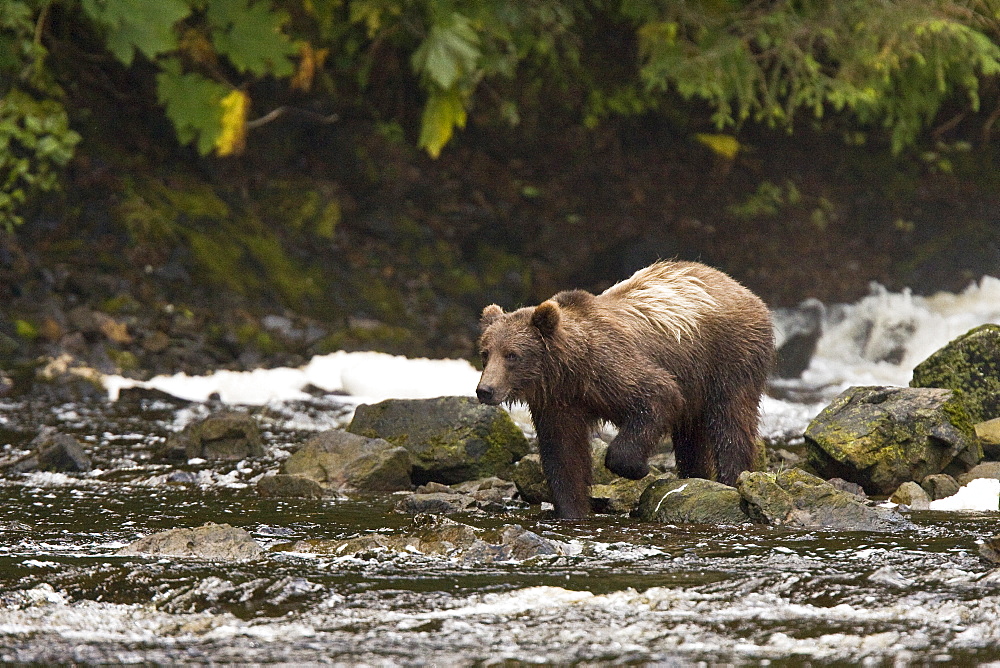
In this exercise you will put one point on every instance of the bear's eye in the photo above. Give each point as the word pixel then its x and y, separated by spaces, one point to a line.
pixel 485 355
pixel 512 357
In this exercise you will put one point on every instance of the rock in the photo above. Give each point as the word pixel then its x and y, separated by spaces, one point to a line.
pixel 345 461
pixel 691 500
pixel 211 541
pixel 971 365
pixel 794 498
pixel 438 503
pixel 939 486
pixel 620 496
pixel 984 470
pixel 226 435
pixel 796 332
pixel 990 549
pixel 847 486
pixel 989 434
pixel 981 494
pixel 912 495
pixel 530 480
pixel 450 439
pixel 282 485
pixel 881 437
pixel 889 576
pixel 490 494
pixel 439 536
pixel 52 450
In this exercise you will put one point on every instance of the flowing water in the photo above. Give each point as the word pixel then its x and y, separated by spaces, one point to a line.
pixel 631 592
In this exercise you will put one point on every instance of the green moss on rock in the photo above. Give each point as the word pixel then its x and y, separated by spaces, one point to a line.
pixel 971 365
pixel 881 437
pixel 450 439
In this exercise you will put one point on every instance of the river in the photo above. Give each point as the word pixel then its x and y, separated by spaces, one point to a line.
pixel 628 593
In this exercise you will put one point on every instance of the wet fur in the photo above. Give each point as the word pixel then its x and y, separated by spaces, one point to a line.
pixel 678 348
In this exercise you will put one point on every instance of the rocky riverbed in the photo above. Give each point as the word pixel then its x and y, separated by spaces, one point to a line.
pixel 91 571
pixel 307 529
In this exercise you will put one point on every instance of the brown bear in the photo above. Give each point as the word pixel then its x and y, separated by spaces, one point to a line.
pixel 678 348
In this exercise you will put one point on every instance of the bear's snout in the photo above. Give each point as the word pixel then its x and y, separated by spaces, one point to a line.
pixel 487 395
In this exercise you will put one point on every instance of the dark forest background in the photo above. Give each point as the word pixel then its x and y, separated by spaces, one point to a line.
pixel 189 183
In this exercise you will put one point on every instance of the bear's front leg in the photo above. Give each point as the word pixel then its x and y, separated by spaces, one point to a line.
pixel 564 446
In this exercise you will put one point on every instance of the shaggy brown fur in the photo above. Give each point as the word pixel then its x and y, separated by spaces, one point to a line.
pixel 678 348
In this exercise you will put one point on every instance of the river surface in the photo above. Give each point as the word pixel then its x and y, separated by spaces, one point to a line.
pixel 631 592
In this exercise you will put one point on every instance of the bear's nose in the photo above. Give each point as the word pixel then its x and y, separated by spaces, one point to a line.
pixel 485 394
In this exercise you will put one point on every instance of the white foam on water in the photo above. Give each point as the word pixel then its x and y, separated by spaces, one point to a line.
pixel 981 494
pixel 875 341
pixel 363 376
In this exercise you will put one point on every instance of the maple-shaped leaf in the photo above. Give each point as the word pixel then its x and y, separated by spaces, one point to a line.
pixel 193 104
pixel 450 51
pixel 137 25
pixel 250 36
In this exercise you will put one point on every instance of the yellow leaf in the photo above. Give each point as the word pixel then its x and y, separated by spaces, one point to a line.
pixel 310 60
pixel 443 113
pixel 233 135
pixel 725 145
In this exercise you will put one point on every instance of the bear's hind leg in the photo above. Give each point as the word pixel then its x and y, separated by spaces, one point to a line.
pixel 732 430
pixel 564 446
pixel 693 451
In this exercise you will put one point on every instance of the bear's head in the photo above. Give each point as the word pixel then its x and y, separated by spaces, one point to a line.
pixel 513 347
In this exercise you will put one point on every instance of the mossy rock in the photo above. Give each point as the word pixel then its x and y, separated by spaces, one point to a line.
pixel 534 488
pixel 690 501
pixel 881 437
pixel 345 461
pixel 794 498
pixel 450 439
pixel 971 365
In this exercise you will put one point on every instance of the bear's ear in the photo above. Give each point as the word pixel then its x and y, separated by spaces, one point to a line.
pixel 490 315
pixel 546 317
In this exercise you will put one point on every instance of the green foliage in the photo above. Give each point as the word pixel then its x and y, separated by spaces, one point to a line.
pixel 135 25
pixel 887 67
pixel 893 64
pixel 35 138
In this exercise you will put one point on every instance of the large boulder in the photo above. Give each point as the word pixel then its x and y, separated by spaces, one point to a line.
pixel 691 500
pixel 211 541
pixel 881 437
pixel 971 365
pixel 450 439
pixel 344 461
pixel 794 498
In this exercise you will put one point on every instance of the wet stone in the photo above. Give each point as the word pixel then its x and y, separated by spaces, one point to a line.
pixel 989 433
pixel 54 451
pixel 795 498
pixel 912 495
pixel 227 435
pixel 990 549
pixel 940 486
pixel 971 365
pixel 881 437
pixel 344 461
pixel 984 470
pixel 690 501
pixel 211 541
pixel 282 485
pixel 450 439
